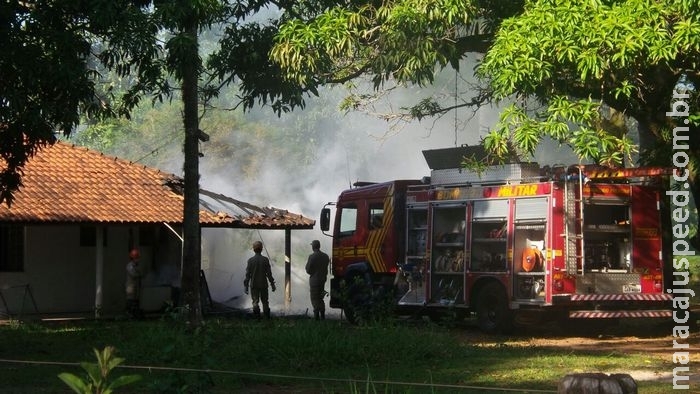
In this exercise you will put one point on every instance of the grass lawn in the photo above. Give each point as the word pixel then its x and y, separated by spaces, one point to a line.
pixel 238 355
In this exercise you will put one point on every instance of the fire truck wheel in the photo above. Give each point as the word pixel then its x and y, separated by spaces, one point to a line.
pixel 356 298
pixel 492 312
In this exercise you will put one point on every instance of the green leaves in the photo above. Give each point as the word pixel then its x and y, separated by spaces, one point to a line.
pixel 600 41
pixel 75 383
pixel 307 50
pixel 403 40
pixel 51 53
pixel 579 56
pixel 98 373
pixel 573 123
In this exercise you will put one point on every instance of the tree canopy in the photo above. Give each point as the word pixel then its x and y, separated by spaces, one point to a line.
pixel 599 70
pixel 54 54
pixel 572 59
pixel 402 42
pixel 67 63
pixel 583 60
pixel 584 73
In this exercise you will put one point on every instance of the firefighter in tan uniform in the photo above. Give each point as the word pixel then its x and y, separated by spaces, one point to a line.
pixel 257 274
pixel 317 268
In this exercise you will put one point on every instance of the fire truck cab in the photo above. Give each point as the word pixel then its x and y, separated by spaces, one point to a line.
pixel 575 242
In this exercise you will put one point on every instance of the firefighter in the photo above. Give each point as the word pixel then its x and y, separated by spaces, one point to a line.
pixel 317 268
pixel 257 274
pixel 133 284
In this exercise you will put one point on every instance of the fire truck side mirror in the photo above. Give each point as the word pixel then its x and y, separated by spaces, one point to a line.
pixel 325 219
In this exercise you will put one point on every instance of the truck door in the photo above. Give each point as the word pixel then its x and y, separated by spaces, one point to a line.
pixel 365 233
pixel 382 255
pixel 347 236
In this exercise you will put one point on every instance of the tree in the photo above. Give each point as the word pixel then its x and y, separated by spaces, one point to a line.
pixel 185 18
pixel 55 53
pixel 578 70
pixel 398 42
pixel 51 67
pixel 593 64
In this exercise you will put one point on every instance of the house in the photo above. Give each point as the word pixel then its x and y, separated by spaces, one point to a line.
pixel 65 239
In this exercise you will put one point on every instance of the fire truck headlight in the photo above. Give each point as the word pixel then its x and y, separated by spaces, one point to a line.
pixel 657 285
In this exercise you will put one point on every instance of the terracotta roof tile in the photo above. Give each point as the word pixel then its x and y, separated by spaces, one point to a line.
pixel 67 183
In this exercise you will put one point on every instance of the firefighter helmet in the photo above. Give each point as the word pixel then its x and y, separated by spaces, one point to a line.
pixel 134 254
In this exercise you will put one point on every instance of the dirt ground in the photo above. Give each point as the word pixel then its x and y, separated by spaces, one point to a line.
pixel 624 337
pixel 649 337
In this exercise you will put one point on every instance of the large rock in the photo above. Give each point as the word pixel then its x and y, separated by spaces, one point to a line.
pixel 597 383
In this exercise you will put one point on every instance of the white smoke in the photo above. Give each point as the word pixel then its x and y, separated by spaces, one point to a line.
pixel 363 149
pixel 348 148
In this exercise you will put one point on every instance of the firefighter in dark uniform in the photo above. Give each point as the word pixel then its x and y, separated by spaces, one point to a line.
pixel 317 268
pixel 257 274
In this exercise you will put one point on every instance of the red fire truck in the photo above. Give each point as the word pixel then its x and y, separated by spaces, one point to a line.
pixel 575 242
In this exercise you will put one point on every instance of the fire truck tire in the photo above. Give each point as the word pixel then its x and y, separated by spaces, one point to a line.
pixel 356 298
pixel 492 312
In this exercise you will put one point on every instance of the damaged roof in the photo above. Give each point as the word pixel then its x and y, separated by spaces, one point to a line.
pixel 65 183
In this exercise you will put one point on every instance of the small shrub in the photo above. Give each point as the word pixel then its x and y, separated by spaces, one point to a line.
pixel 98 373
pixel 365 304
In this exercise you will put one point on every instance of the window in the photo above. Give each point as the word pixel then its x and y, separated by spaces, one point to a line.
pixel 376 216
pixel 348 221
pixel 11 248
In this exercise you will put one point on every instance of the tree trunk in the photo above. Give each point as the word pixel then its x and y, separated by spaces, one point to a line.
pixel 192 252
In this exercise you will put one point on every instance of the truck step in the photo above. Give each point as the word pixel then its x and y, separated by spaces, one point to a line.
pixel 619 314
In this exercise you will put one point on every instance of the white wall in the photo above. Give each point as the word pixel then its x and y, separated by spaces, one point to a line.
pixel 61 273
